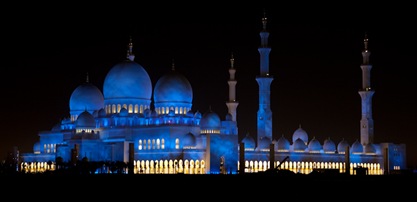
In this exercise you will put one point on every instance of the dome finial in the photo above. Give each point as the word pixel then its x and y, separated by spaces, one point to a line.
pixel 87 79
pixel 130 54
pixel 264 20
pixel 173 65
pixel 365 41
pixel 232 61
pixel 299 125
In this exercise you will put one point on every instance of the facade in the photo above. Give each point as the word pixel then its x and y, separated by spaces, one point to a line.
pixel 154 129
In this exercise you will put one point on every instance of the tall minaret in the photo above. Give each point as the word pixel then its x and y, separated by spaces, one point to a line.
pixel 232 103
pixel 366 93
pixel 264 81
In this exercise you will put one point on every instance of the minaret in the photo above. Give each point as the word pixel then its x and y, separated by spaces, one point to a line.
pixel 366 93
pixel 232 103
pixel 130 54
pixel 264 81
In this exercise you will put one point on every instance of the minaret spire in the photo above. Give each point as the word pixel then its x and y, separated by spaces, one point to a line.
pixel 87 78
pixel 264 81
pixel 264 21
pixel 130 54
pixel 173 65
pixel 232 103
pixel 366 93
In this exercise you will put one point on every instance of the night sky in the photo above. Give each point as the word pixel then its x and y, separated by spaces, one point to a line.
pixel 315 61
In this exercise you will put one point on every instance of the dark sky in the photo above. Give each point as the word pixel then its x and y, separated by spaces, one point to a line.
pixel 315 61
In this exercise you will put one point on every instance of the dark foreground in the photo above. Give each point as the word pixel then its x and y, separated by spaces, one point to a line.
pixel 236 183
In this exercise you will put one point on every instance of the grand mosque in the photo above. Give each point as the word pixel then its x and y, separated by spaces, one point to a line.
pixel 154 129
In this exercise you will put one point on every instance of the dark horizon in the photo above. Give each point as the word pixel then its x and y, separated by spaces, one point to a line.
pixel 315 65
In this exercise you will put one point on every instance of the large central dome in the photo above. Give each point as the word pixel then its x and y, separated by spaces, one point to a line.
pixel 127 80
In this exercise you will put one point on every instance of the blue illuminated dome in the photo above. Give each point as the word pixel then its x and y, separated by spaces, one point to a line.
pixel 264 143
pixel 102 112
pixel 127 80
pixel 357 147
pixel 210 120
pixel 300 133
pixel 314 145
pixel 86 97
pixel 329 146
pixel 282 144
pixel 173 90
pixel 85 120
pixel 198 115
pixel 299 145
pixel 341 147
pixel 189 140
pixel 370 149
pixel 249 142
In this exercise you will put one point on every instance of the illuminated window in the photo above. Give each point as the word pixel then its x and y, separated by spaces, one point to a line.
pixel 113 109
pixel 158 143
pixel 136 108
pixel 140 145
pixel 130 108
pixel 163 143
pixel 119 107
pixel 177 143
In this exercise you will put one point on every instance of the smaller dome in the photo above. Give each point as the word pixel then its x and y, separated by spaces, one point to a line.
pixel 197 115
pixel 189 140
pixel 249 142
pixel 85 120
pixel 282 144
pixel 370 149
pixel 173 87
pixel 299 145
pixel 329 146
pixel 123 112
pixel 264 143
pixel 341 147
pixel 210 120
pixel 86 97
pixel 37 147
pixel 314 145
pixel 300 133
pixel 357 147
pixel 102 112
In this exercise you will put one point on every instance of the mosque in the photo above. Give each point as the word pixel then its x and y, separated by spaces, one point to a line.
pixel 155 130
